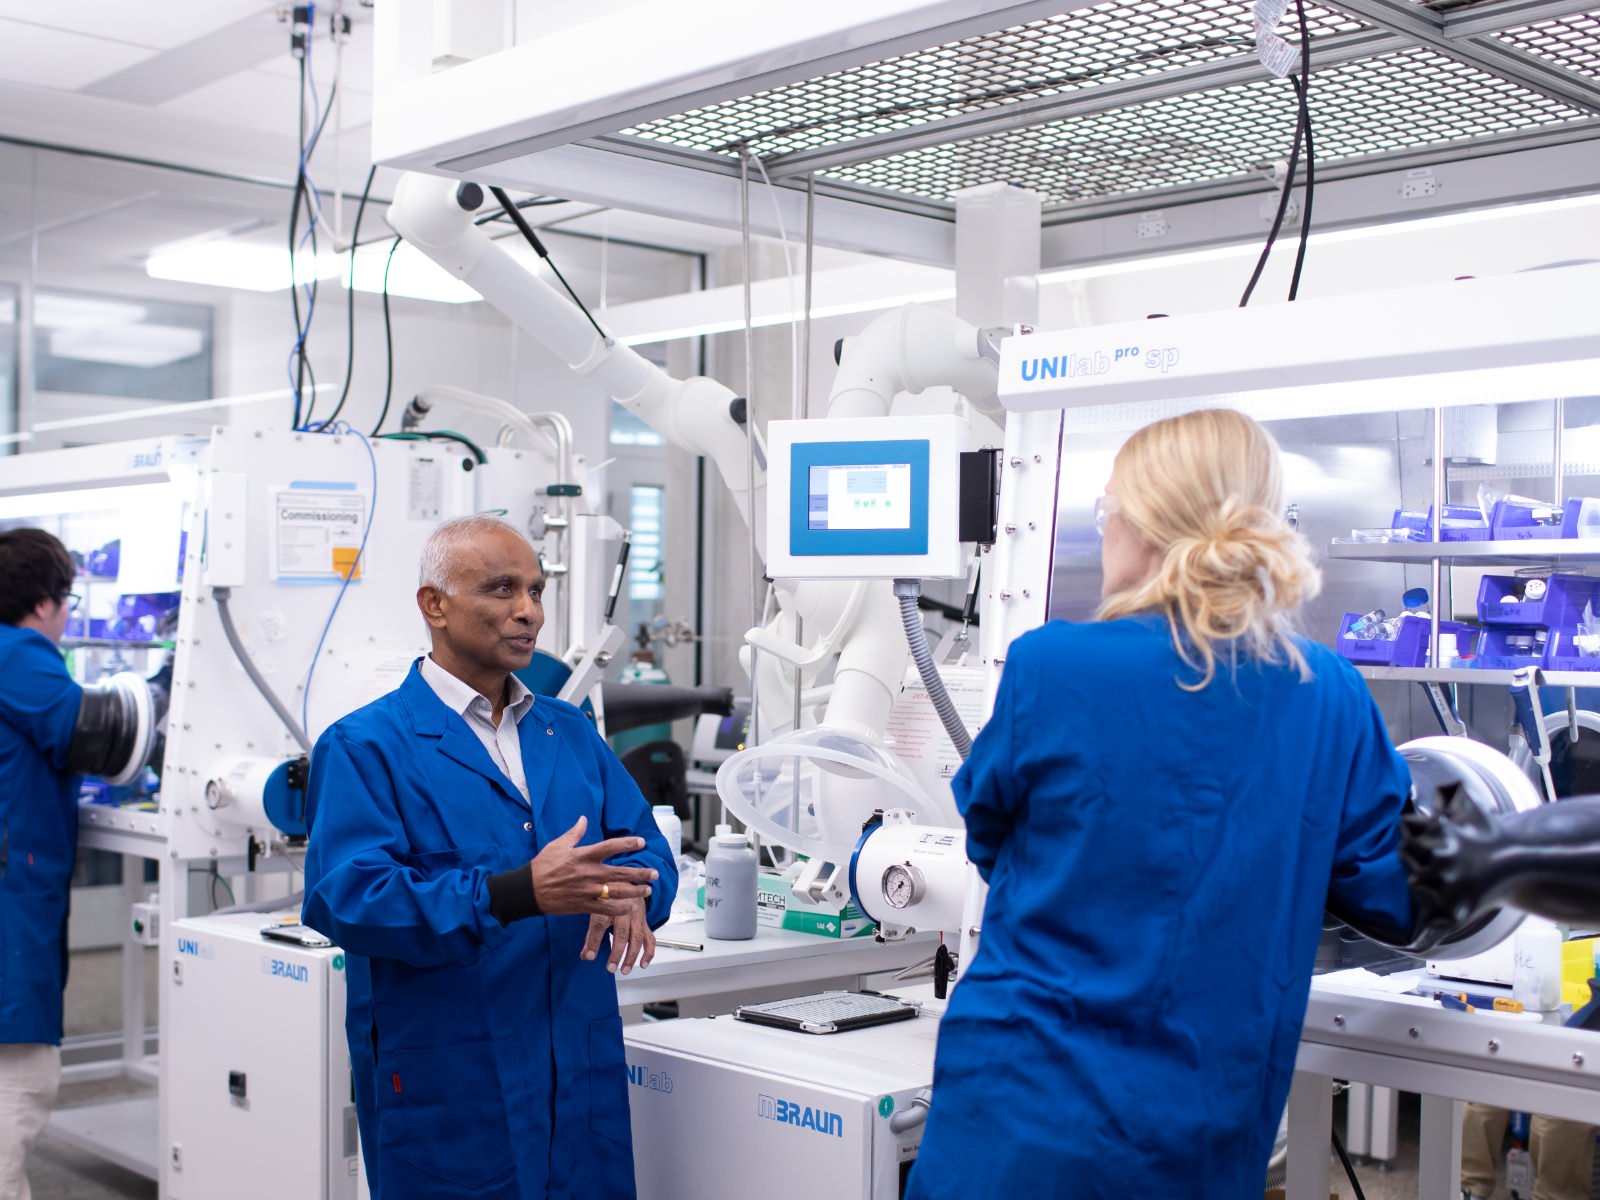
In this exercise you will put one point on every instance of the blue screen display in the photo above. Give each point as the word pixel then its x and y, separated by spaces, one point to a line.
pixel 859 498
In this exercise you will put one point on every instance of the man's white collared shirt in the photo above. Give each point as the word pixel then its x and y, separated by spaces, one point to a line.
pixel 503 745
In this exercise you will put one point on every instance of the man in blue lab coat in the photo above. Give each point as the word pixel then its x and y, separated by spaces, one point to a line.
pixel 39 705
pixel 471 847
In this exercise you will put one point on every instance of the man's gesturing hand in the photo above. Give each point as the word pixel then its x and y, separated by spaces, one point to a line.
pixel 569 878
pixel 631 939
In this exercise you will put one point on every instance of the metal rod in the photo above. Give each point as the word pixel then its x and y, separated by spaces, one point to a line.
pixel 805 347
pixel 1436 572
pixel 750 435
pixel 1558 469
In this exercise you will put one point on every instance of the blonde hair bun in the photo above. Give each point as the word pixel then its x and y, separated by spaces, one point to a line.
pixel 1205 490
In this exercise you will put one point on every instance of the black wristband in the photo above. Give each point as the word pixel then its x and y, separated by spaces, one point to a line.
pixel 511 895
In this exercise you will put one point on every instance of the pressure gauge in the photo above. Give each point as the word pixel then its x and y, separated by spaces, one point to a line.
pixel 903 885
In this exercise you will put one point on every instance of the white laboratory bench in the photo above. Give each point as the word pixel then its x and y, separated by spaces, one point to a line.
pixel 775 963
pixel 1410 1044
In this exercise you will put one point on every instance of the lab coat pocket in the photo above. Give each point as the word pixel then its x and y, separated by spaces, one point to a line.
pixel 443 1110
pixel 608 1087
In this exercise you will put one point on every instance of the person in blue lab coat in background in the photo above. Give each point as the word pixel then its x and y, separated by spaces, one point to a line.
pixel 1163 801
pixel 39 703
pixel 471 847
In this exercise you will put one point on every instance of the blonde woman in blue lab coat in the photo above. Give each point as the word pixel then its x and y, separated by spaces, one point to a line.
pixel 1163 802
pixel 473 848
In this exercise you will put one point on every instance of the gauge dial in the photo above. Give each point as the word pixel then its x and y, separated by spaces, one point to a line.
pixel 902 885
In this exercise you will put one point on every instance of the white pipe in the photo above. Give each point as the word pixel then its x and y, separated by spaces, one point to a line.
pixel 693 414
pixel 910 350
pixel 503 411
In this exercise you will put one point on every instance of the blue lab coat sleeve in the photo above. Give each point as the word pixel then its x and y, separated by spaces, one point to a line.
pixel 40 701
pixel 367 894
pixel 1368 880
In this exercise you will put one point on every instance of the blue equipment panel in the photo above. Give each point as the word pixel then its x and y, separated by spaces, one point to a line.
pixel 858 498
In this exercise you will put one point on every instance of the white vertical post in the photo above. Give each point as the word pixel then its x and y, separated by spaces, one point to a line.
pixel 1439 1158
pixel 1385 1124
pixel 133 1014
pixel 1310 1122
pixel 1358 1119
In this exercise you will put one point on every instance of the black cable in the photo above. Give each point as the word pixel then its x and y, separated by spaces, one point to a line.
pixel 388 341
pixel 350 303
pixel 297 380
pixel 538 248
pixel 437 435
pixel 1304 91
pixel 1283 207
pixel 534 202
pixel 1349 1169
pixel 316 136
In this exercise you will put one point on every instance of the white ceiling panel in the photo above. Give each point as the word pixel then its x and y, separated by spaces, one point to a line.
pixel 55 58
pixel 137 22
pixel 266 101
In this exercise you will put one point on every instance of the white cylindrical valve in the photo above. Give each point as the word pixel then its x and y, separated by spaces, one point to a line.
pixel 909 877
pixel 236 792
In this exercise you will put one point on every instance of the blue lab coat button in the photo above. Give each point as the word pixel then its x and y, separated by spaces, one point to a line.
pixel 527 827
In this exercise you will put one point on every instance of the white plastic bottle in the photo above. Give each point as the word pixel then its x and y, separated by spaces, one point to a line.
pixel 671 828
pixel 730 887
pixel 1536 970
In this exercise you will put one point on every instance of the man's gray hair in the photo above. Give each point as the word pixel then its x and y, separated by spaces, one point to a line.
pixel 438 567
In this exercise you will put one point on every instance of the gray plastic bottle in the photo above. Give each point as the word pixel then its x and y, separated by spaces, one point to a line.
pixel 730 887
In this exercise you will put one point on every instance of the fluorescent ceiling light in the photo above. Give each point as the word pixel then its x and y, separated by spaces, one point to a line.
pixel 184 408
pixel 411 274
pixel 257 267
pixel 867 287
pixel 51 310
pixel 106 499
pixel 128 345
pixel 251 266
pixel 8 310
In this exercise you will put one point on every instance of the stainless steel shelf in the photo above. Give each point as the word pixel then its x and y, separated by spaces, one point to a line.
pixel 1556 551
pixel 1586 679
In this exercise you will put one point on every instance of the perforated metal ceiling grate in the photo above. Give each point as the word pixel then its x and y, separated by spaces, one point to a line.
pixel 1570 42
pixel 1398 101
pixel 1105 43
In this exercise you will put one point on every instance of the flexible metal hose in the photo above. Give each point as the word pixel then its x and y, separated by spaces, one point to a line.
pixel 221 594
pixel 908 590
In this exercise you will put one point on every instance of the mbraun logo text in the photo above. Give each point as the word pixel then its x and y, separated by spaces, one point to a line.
pixel 651 1081
pixel 1079 366
pixel 278 969
pixel 787 1112
pixel 195 948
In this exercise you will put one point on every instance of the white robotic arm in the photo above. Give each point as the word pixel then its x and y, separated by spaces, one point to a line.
pixel 436 216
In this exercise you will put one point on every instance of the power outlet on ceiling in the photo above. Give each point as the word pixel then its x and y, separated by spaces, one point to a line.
pixel 1152 225
pixel 1417 184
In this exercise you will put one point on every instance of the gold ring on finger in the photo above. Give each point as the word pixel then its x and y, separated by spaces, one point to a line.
pixel 605 891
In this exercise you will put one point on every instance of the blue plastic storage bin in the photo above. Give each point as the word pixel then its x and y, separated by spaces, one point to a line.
pixel 1459 523
pixel 1560 654
pixel 1513 521
pixel 1560 607
pixel 1494 654
pixel 1410 649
